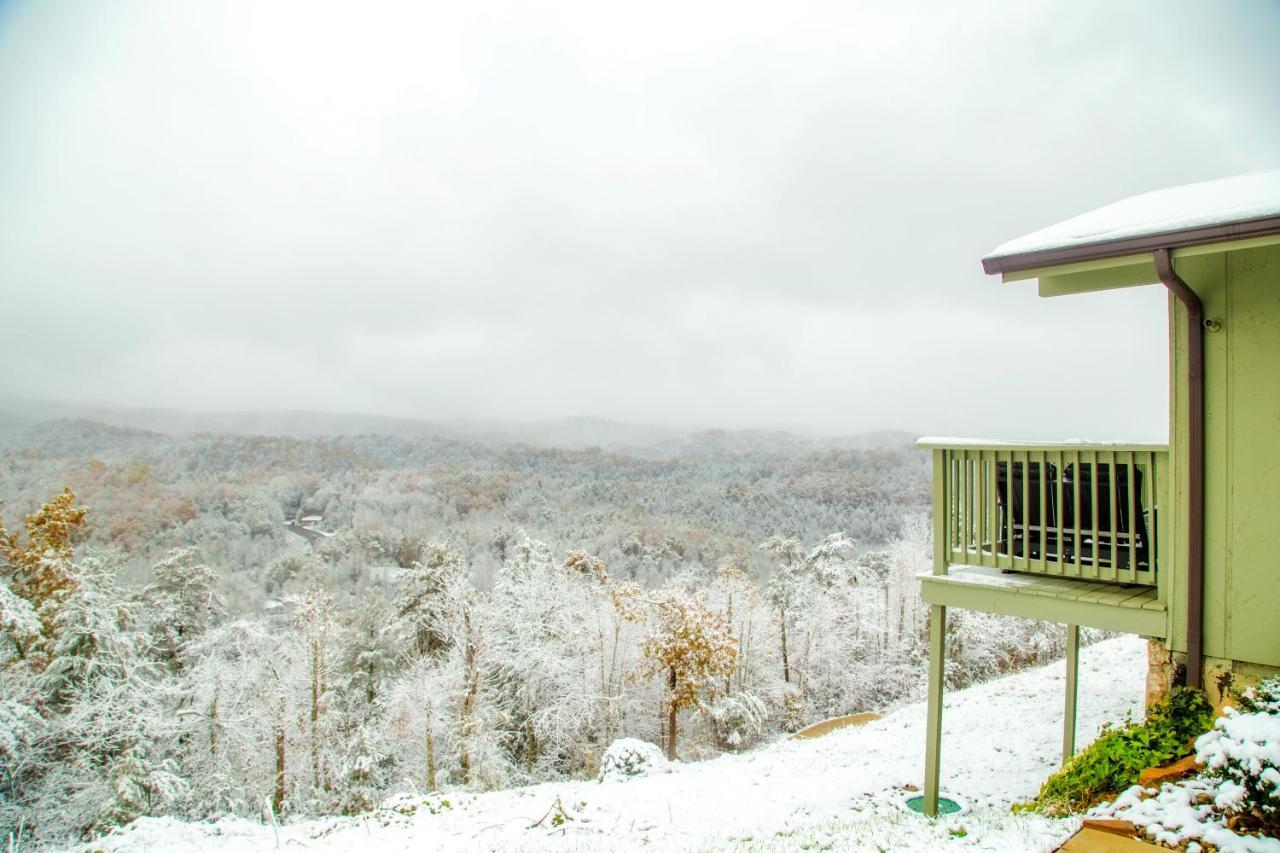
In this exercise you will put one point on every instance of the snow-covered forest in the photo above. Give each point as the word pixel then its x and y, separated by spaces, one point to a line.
pixel 216 624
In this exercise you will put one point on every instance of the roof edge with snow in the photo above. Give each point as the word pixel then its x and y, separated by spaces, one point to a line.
pixel 1237 208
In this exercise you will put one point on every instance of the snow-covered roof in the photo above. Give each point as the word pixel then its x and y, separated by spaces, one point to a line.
pixel 1211 211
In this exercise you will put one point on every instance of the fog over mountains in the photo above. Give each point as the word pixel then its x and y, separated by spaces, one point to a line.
pixel 571 433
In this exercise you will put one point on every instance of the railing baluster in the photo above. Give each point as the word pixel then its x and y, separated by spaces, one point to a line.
pixel 959 543
pixel 1058 457
pixel 970 493
pixel 1151 500
pixel 1103 476
pixel 1011 499
pixel 1026 510
pixel 952 498
pixel 1000 514
pixel 941 555
pixel 968 504
pixel 964 507
pixel 994 509
pixel 953 504
pixel 1077 540
pixel 1044 516
pixel 970 470
pixel 1133 525
pixel 982 504
pixel 1113 499
pixel 1093 498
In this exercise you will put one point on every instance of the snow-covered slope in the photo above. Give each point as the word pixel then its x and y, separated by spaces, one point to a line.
pixel 842 791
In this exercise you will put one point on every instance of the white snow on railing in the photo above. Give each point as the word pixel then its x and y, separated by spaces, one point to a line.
pixel 953 441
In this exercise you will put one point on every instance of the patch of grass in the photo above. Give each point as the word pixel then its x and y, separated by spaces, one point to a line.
pixel 884 827
pixel 1112 762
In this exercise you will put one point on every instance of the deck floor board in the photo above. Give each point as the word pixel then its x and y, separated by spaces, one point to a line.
pixel 1116 606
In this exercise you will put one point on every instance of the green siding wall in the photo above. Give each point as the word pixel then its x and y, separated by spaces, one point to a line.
pixel 1242 364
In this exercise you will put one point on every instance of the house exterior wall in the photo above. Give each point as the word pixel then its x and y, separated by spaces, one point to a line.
pixel 1241 290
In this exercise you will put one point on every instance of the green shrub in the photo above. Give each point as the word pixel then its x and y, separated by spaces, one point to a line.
pixel 1112 762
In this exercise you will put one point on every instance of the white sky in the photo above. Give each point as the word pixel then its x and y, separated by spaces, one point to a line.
pixel 681 213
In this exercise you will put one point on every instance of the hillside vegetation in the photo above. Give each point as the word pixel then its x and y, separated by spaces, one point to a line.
pixel 252 625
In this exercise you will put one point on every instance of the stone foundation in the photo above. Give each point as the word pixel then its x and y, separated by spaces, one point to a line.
pixel 1159 671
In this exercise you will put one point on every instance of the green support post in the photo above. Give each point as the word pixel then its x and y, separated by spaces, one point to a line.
pixel 933 725
pixel 1073 670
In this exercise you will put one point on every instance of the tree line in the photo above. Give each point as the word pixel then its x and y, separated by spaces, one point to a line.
pixel 158 698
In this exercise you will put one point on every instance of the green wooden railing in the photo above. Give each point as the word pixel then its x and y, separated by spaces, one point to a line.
pixel 1087 511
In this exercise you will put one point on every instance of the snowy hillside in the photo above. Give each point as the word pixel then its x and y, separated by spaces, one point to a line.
pixel 842 791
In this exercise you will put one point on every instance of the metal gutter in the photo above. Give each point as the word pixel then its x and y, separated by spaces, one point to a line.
pixel 1178 239
pixel 1195 460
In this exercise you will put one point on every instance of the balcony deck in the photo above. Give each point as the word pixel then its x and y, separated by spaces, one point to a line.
pixel 1069 533
pixel 1112 606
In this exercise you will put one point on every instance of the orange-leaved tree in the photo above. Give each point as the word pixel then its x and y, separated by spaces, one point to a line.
pixel 693 646
pixel 40 569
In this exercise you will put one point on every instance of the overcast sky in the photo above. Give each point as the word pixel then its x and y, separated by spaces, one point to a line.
pixel 680 213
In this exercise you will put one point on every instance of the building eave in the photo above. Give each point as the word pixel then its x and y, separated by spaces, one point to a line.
pixel 1175 239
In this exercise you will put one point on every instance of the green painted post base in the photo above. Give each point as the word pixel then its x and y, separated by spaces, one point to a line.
pixel 945 805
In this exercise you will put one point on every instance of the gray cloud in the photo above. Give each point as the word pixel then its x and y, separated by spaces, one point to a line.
pixel 690 214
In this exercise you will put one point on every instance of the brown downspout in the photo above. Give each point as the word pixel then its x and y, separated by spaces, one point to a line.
pixel 1195 461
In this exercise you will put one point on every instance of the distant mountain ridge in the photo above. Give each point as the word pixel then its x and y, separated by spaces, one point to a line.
pixel 571 433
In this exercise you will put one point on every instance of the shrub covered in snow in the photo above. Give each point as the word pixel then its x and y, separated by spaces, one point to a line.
pixel 1178 815
pixel 739 720
pixel 1263 698
pixel 1242 755
pixel 629 757
pixel 1234 804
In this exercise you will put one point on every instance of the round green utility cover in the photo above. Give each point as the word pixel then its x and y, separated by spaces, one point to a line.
pixel 945 806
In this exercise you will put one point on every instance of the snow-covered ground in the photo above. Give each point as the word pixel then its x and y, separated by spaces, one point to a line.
pixel 842 792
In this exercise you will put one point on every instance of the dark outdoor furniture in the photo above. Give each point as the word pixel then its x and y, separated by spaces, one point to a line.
pixel 1020 524
pixel 1088 538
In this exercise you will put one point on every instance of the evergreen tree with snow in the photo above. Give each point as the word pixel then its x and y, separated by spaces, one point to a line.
pixel 181 603
pixel 428 595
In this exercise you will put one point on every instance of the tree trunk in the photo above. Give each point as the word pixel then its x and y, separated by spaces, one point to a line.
pixel 884 643
pixel 213 727
pixel 728 619
pixel 613 688
pixel 277 800
pixel 804 660
pixel 604 681
pixel 431 759
pixel 786 664
pixel 468 700
pixel 671 717
pixel 315 714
